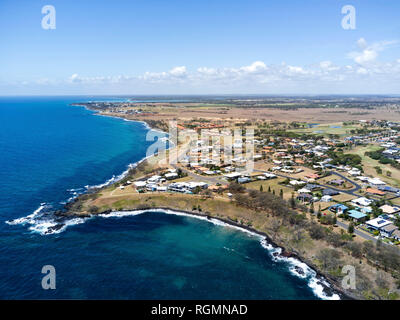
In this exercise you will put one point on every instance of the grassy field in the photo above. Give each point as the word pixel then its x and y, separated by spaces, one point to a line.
pixel 326 129
pixel 274 184
pixel 369 165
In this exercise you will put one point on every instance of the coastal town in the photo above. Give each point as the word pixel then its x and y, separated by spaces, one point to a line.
pixel 304 169
pixel 342 177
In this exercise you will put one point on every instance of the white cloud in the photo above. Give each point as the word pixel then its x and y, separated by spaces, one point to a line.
pixel 178 71
pixel 368 53
pixel 259 77
pixel 257 66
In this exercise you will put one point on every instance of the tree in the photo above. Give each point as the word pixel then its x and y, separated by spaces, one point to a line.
pixel 350 229
pixel 235 187
pixel 312 208
pixel 273 192
pixel 269 188
pixel 179 172
pixel 292 201
pixel 330 258
pixel 261 188
pixel 93 209
pixel 316 231
pixel 281 194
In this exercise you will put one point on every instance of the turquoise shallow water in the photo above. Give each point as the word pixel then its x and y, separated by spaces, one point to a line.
pixel 50 150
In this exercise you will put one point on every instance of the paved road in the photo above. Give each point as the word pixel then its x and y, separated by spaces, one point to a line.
pixel 197 177
pixel 360 233
pixel 350 192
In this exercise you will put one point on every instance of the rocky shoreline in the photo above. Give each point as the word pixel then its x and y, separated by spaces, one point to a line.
pixel 335 286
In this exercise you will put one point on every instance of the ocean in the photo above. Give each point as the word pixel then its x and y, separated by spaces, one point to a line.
pixel 50 153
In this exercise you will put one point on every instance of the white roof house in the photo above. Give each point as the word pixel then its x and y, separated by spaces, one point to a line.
pixel 296 182
pixel 154 178
pixel 377 223
pixel 364 202
pixel 140 184
pixel 232 175
pixel 389 209
pixel 354 172
pixel 171 175
pixel 376 182
pixel 326 199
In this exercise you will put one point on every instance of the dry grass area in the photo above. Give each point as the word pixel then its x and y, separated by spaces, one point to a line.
pixel 220 112
pixel 369 165
pixel 273 184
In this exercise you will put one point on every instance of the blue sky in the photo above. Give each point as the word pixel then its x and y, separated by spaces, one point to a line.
pixel 185 47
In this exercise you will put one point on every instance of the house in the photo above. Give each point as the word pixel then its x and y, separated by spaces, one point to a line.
pixel 304 190
pixel 312 176
pixel 389 209
pixel 171 175
pixel 232 175
pixel 154 179
pixel 338 208
pixel 151 187
pixel 140 184
pixel 269 175
pixel 377 223
pixel 362 201
pixel 376 182
pixel 313 187
pixel 357 215
pixel 388 230
pixel 396 234
pixel 305 197
pixel 375 192
pixel 330 192
pixel 354 172
pixel 388 189
pixel 326 198
pixel 366 210
pixel 336 182
pixel 296 182
pixel 244 179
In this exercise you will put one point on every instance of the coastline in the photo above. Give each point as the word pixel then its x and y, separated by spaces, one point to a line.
pixel 324 286
pixel 62 219
pixel 283 254
pixel 130 166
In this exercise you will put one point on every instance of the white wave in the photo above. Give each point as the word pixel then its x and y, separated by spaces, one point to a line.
pixel 316 283
pixel 29 218
pixel 114 178
pixel 50 226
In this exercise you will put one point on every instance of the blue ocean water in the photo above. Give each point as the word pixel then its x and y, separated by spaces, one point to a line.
pixel 50 150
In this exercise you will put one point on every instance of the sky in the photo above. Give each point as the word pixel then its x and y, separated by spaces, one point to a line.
pixel 199 47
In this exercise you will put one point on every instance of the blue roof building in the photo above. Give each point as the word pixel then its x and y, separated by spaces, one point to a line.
pixel 357 215
pixel 338 208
